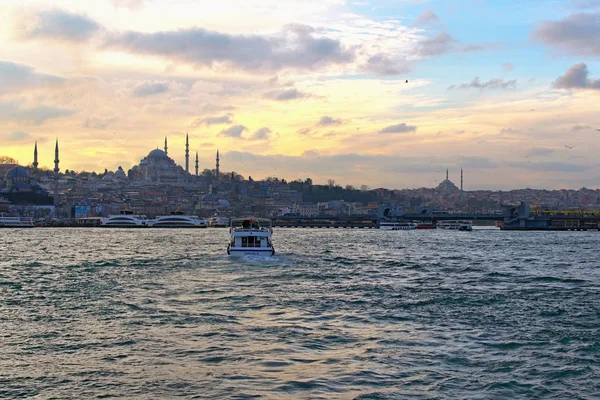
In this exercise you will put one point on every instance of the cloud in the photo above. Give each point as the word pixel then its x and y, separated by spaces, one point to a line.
pixel 551 166
pixel 311 153
pixel 99 123
pixel 296 47
pixel 37 115
pixel 329 121
pixel 440 44
pixel 399 128
pixel 382 64
pixel 234 131
pixel 210 108
pixel 507 67
pixel 475 162
pixel 491 84
pixel 576 34
pixel 225 119
pixel 263 133
pixel 585 4
pixel 540 151
pixel 427 17
pixel 130 4
pixel 18 137
pixel 16 77
pixel 285 95
pixel 150 89
pixel 306 131
pixel 57 25
pixel 576 77
pixel 578 128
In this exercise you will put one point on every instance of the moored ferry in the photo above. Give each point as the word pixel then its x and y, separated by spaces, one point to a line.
pixel 396 226
pixel 425 225
pixel 250 236
pixel 126 219
pixel 14 221
pixel 218 221
pixel 456 225
pixel 178 220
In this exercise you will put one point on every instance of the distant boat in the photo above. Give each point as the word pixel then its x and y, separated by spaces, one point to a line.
pixel 397 226
pixel 250 236
pixel 14 221
pixel 125 219
pixel 456 225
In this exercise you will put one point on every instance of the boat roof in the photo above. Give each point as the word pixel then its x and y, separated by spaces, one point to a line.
pixel 250 218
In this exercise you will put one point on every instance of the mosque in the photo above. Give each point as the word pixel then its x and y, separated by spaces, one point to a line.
pixel 19 186
pixel 157 167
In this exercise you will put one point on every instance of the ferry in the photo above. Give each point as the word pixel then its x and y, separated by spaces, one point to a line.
pixel 456 225
pixel 250 236
pixel 178 220
pixel 218 222
pixel 425 225
pixel 14 221
pixel 125 219
pixel 397 226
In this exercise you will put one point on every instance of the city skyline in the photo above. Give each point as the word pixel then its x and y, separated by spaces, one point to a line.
pixel 387 94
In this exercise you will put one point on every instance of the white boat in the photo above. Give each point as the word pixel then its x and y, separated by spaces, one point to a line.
pixel 250 236
pixel 14 221
pixel 455 225
pixel 218 221
pixel 126 219
pixel 178 220
pixel 397 226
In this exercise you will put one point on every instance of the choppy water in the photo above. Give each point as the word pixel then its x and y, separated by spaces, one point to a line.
pixel 154 314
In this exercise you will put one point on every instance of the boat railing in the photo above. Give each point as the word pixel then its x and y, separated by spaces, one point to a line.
pixel 258 229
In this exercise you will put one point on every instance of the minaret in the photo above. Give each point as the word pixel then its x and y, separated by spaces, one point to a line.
pixel 35 158
pixel 446 173
pixel 166 148
pixel 217 170
pixel 196 164
pixel 461 179
pixel 56 169
pixel 187 154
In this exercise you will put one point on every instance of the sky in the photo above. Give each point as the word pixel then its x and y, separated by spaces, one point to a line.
pixel 386 93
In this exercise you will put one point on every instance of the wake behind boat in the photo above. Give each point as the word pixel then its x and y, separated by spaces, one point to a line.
pixel 250 236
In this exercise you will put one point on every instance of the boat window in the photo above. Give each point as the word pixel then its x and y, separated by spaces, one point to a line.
pixel 244 241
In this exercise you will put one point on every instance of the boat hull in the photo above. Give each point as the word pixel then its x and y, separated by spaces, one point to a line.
pixel 251 252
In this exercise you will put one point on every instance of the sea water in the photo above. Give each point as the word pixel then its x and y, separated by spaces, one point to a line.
pixel 336 314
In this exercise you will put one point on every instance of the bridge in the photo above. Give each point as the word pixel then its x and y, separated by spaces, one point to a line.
pixel 361 221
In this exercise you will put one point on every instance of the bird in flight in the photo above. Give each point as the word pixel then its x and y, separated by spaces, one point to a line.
pixel 533 109
pixel 569 147
pixel 407 81
pixel 598 130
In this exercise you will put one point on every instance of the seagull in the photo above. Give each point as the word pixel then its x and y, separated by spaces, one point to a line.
pixel 569 147
pixel 407 81
pixel 533 109
pixel 598 130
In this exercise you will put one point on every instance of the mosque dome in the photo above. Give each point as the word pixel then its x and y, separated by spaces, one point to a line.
pixel 16 172
pixel 209 197
pixel 120 173
pixel 157 153
pixel 224 203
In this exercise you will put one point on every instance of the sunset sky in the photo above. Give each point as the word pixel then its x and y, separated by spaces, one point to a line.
pixel 312 88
